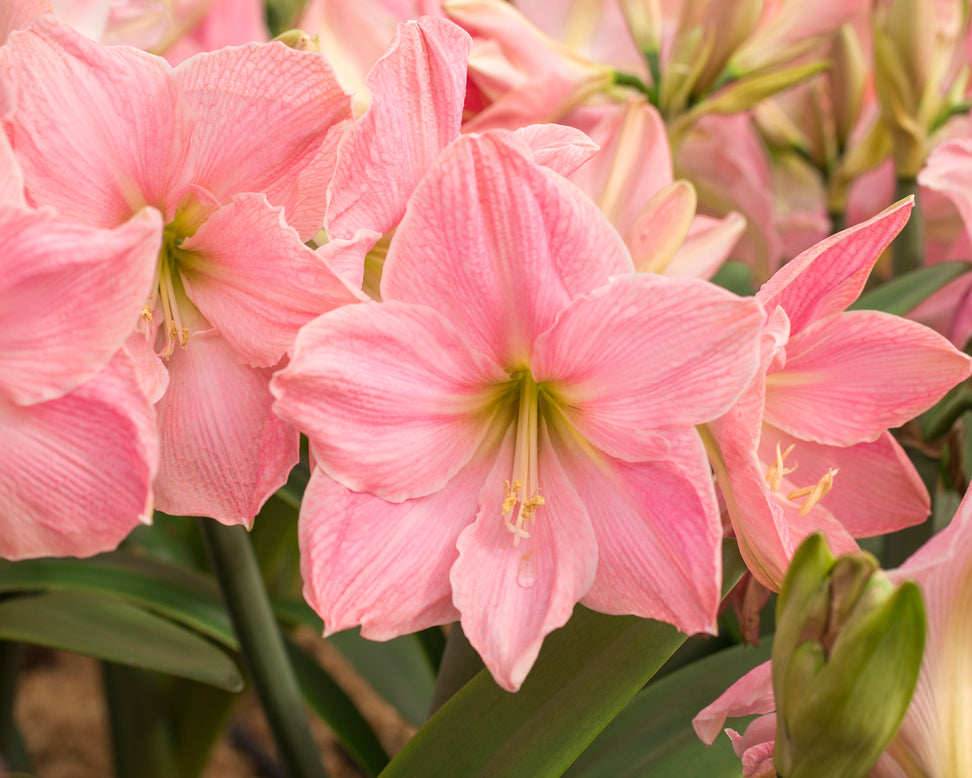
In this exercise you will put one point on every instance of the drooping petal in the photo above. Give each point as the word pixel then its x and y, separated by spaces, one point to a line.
pixel 753 693
pixel 560 148
pixel 69 296
pixel 416 90
pixel 252 278
pixel 76 472
pixel 511 596
pixel 876 489
pixel 384 565
pixel 829 276
pixel 850 377
pixel 499 245
pixel 263 115
pixel 688 350
pixel 223 451
pixel 659 539
pixel 110 117
pixel 391 397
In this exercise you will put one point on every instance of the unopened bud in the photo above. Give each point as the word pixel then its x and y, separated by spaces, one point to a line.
pixel 846 657
pixel 299 40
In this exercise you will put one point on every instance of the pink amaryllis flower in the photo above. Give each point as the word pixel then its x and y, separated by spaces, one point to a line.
pixel 511 430
pixel 79 450
pixel 235 149
pixel 807 446
pixel 933 738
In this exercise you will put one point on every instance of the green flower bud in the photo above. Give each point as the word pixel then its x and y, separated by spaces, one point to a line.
pixel 846 657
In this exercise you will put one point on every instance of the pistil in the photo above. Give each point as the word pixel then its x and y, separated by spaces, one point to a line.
pixel 523 489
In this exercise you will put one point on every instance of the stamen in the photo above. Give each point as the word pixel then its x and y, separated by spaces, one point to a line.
pixel 776 471
pixel 524 465
pixel 815 493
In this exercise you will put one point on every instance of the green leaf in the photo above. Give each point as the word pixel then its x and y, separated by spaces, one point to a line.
pixel 736 277
pixel 906 292
pixel 109 628
pixel 179 593
pixel 329 701
pixel 584 676
pixel 653 735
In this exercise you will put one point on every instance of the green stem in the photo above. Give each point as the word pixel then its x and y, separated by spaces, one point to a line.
pixel 460 663
pixel 11 749
pixel 262 646
pixel 907 250
pixel 141 734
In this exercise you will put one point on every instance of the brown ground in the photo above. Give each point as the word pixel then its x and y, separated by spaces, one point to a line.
pixel 61 715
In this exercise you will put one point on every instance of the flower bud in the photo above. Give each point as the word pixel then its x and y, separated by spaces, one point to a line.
pixel 846 657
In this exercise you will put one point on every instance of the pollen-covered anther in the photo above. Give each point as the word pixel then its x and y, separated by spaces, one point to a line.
pixel 776 471
pixel 512 495
pixel 147 312
pixel 523 516
pixel 815 493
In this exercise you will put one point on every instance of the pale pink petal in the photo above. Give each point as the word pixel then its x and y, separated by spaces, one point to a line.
pixel 661 228
pixel 499 245
pixel 876 489
pixel 417 90
pixel 18 14
pixel 89 17
pixel 111 118
pixel 850 377
pixel 11 178
pixel 138 23
pixel 347 256
pixel 69 296
pixel 76 472
pixel 562 149
pixel 659 539
pixel 264 113
pixel 391 397
pixel 753 693
pixel 634 163
pixel 379 564
pixel 828 277
pixel 150 370
pixel 511 596
pixel 223 451
pixel 226 23
pixel 947 170
pixel 687 352
pixel 252 278
pixel 708 244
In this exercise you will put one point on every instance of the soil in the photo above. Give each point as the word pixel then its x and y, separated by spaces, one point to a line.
pixel 62 719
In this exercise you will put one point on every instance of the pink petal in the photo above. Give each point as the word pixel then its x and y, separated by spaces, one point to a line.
pixel 875 491
pixel 662 227
pixel 390 396
pixel 76 472
pixel 947 171
pixel 499 245
pixel 11 180
pixel 753 693
pixel 69 296
pixel 688 350
pixel 268 119
pixel 384 565
pixel 708 244
pixel 110 117
pixel 828 277
pixel 253 279
pixel 416 90
pixel 850 377
pixel 226 23
pixel 223 451
pixel 512 596
pixel 18 14
pixel 562 149
pixel 659 536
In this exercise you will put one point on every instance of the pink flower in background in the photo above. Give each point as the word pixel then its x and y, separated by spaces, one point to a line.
pixel 511 430
pixel 79 448
pixel 807 448
pixel 235 149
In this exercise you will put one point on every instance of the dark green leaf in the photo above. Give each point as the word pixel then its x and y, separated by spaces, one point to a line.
pixel 110 628
pixel 179 593
pixel 653 735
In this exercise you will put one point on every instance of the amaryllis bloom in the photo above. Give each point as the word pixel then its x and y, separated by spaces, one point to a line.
pixel 933 738
pixel 235 149
pixel 79 450
pixel 511 431
pixel 807 448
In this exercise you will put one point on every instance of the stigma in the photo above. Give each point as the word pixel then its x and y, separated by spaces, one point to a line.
pixel 521 497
